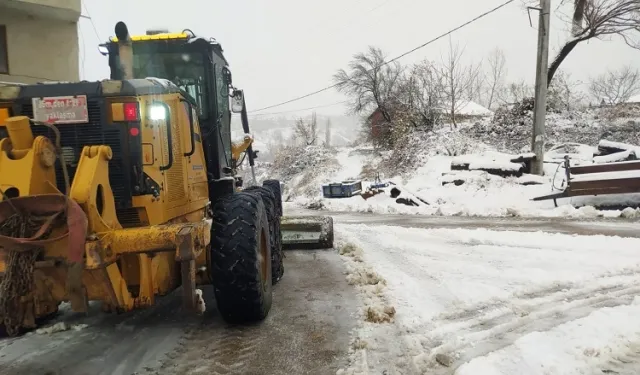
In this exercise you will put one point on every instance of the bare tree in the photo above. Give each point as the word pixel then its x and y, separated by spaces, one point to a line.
pixel 425 93
pixel 307 132
pixel 458 78
pixel 616 86
pixel 497 71
pixel 478 88
pixel 370 82
pixel 600 19
pixel 564 93
pixel 515 92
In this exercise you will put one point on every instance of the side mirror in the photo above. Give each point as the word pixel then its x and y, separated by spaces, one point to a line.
pixel 103 49
pixel 237 101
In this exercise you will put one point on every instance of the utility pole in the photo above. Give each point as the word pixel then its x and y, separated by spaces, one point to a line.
pixel 540 104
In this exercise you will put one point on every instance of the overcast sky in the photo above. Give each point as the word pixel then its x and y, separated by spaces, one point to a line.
pixel 280 49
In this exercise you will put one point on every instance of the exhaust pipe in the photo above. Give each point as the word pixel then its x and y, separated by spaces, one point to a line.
pixel 121 54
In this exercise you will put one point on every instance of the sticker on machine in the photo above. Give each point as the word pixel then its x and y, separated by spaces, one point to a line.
pixel 61 109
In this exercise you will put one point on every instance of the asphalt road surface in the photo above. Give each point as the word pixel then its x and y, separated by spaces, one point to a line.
pixel 307 332
pixel 605 227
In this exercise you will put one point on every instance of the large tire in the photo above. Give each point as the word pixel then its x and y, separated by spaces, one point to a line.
pixel 277 264
pixel 274 186
pixel 240 258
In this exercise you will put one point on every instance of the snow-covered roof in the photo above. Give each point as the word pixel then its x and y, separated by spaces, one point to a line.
pixel 471 108
pixel 634 99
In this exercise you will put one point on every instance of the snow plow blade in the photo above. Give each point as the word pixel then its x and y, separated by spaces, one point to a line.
pixel 307 232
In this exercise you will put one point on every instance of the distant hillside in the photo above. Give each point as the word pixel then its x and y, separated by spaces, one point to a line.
pixel 271 132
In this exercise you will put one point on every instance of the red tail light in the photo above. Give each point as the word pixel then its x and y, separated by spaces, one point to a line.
pixel 131 112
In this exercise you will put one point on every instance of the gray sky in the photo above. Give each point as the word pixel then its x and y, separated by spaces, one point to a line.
pixel 280 49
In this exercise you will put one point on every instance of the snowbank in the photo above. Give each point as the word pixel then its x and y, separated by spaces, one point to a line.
pixel 486 302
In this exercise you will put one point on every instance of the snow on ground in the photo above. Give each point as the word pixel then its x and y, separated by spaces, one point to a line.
pixel 472 192
pixel 486 303
pixel 351 163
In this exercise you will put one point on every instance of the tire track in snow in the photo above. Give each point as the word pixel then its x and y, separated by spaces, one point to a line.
pixel 463 336
pixel 627 364
pixel 560 292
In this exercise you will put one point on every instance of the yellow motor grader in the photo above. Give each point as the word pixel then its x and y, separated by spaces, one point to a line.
pixel 125 189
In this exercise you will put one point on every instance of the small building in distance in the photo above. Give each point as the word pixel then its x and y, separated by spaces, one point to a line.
pixel 39 40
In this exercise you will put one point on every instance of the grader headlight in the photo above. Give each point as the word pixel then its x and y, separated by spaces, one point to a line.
pixel 157 112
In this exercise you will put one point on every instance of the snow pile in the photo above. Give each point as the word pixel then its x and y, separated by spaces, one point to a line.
pixel 615 157
pixel 201 307
pixel 376 314
pixel 370 283
pixel 500 302
pixel 619 145
pixel 60 327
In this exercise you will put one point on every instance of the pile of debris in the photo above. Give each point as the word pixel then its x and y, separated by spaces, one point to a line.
pixel 610 152
pixel 502 165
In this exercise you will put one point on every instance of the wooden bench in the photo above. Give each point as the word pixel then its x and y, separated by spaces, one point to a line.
pixel 598 179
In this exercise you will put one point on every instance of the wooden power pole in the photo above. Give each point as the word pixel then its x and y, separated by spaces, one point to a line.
pixel 540 104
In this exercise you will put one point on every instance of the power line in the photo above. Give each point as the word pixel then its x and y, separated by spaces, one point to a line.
pixel 95 30
pixel 395 58
pixel 302 109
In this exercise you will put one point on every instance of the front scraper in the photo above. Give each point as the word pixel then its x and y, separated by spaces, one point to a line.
pixel 307 232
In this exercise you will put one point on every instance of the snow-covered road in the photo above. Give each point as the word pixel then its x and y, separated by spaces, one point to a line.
pixel 485 302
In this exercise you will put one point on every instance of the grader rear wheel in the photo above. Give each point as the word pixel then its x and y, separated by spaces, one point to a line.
pixel 274 186
pixel 241 258
pixel 270 203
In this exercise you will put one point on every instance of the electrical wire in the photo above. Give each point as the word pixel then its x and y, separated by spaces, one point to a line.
pixel 301 109
pixel 95 30
pixel 394 59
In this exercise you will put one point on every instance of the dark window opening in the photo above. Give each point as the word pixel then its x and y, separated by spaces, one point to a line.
pixel 4 54
pixel 186 70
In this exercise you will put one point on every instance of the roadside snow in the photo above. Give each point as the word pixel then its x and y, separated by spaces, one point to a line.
pixel 351 165
pixel 436 189
pixel 60 327
pixel 605 340
pixel 492 301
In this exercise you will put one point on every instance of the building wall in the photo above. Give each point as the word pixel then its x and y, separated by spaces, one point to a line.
pixel 40 49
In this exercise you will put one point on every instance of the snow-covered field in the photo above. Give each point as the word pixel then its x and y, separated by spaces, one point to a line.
pixel 457 301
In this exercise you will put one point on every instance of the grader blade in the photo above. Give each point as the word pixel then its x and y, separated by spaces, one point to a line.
pixel 307 232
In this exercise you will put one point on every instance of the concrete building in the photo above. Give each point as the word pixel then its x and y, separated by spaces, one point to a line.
pixel 39 40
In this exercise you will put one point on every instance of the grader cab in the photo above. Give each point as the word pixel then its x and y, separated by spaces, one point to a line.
pixel 123 190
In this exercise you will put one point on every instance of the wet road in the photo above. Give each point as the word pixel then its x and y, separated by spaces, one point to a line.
pixel 606 227
pixel 307 332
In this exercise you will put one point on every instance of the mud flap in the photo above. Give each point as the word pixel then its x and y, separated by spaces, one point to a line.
pixel 307 232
